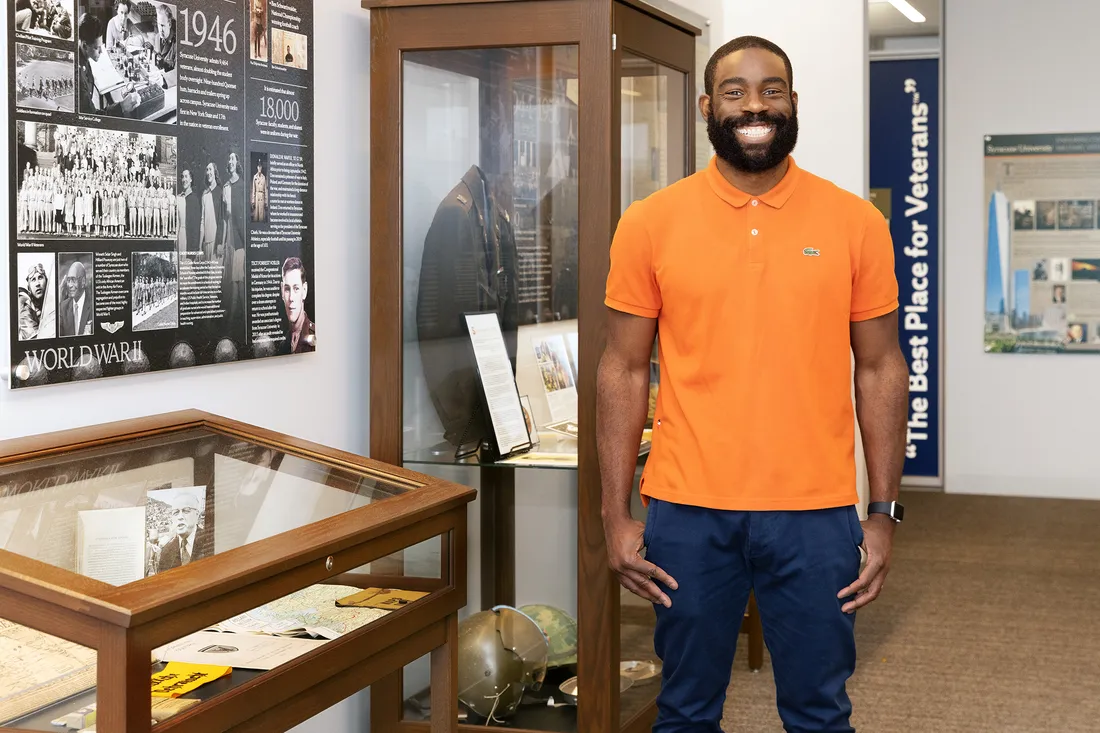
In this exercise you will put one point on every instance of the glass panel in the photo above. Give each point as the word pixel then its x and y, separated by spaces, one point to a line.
pixel 122 512
pixel 38 668
pixel 654 155
pixel 490 225
pixel 57 678
pixel 653 146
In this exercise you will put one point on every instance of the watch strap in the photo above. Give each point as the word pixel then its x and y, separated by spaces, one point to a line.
pixel 891 509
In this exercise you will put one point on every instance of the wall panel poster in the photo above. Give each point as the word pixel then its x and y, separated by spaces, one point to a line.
pixel 905 186
pixel 1042 243
pixel 162 185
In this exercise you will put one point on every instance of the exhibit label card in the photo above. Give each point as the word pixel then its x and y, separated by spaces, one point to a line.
pixel 498 381
pixel 161 168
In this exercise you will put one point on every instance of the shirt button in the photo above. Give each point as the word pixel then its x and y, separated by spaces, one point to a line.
pixel 754 202
pixel 754 232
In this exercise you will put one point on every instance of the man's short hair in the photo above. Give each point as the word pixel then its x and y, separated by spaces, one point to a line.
pixel 162 10
pixel 291 264
pixel 89 29
pixel 740 44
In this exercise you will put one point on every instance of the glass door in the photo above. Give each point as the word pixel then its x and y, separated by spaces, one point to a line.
pixel 655 64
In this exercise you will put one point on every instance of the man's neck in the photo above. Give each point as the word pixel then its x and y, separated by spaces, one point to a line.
pixel 754 184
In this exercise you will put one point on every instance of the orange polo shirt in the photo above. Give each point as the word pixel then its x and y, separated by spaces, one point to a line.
pixel 753 298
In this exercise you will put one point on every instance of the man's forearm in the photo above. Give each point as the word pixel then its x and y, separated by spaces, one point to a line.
pixel 622 403
pixel 882 393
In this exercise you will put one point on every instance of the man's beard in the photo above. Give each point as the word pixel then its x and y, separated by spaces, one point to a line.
pixel 753 158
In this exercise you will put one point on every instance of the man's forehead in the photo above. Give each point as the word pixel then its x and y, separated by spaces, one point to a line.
pixel 750 63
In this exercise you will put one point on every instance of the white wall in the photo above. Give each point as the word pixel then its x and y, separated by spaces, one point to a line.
pixel 329 389
pixel 827 46
pixel 1017 424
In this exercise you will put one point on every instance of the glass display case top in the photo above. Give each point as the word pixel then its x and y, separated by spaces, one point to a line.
pixel 127 510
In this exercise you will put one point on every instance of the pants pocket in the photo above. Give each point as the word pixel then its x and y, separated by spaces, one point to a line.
pixel 650 521
pixel 856 531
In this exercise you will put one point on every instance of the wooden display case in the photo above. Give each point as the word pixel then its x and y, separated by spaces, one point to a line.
pixel 265 516
pixel 526 126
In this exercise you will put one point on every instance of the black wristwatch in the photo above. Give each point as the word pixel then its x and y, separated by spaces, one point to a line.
pixel 892 509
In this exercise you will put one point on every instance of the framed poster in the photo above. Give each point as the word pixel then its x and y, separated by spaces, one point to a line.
pixel 1042 243
pixel 161 167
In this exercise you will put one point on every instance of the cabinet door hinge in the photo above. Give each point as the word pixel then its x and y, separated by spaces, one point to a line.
pixel 614 41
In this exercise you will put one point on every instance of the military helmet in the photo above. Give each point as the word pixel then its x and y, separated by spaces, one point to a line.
pixel 501 653
pixel 560 630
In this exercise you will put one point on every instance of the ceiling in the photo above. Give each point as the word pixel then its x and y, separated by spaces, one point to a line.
pixel 884 20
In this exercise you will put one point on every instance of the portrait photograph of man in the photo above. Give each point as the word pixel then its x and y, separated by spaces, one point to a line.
pixel 176 528
pixel 258 198
pixel 76 294
pixel 257 19
pixel 301 334
pixel 36 296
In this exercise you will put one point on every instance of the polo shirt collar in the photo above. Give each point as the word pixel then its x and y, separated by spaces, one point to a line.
pixel 733 196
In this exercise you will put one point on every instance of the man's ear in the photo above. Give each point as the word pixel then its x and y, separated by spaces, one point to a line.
pixel 704 106
pixel 794 100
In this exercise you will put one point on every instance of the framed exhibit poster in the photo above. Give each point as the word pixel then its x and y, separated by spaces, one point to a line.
pixel 1042 243
pixel 161 197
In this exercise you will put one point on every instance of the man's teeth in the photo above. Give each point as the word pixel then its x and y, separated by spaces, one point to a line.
pixel 755 131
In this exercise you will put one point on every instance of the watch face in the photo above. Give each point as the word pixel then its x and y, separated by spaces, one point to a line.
pixel 899 511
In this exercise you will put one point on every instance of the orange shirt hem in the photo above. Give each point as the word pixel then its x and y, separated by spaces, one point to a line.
pixel 846 497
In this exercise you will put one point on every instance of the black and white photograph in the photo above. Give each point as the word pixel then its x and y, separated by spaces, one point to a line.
pixel 214 197
pixel 127 52
pixel 36 298
pixel 46 18
pixel 76 296
pixel 176 529
pixel 301 334
pixel 79 182
pixel 1023 215
pixel 257 21
pixel 289 49
pixel 154 303
pixel 258 201
pixel 44 78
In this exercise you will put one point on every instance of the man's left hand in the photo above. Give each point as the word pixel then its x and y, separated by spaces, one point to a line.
pixel 878 541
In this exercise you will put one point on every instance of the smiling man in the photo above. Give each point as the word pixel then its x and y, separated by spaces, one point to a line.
pixel 763 280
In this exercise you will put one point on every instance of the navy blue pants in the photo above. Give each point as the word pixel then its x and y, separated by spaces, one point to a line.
pixel 795 562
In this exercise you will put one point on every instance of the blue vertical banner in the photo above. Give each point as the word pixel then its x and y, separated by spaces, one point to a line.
pixel 905 183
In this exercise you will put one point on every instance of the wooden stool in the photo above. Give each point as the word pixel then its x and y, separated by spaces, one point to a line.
pixel 751 625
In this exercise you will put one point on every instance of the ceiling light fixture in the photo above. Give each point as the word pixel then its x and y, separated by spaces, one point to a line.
pixel 905 9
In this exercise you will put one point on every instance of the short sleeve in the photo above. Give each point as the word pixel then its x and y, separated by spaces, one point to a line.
pixel 631 282
pixel 874 283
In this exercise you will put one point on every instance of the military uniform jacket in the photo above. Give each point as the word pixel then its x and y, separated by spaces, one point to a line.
pixel 468 265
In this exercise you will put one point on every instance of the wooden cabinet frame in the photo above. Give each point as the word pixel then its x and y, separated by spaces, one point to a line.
pixel 125 623
pixel 601 30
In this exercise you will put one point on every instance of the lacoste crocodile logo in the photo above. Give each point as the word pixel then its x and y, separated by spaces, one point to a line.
pixel 811 252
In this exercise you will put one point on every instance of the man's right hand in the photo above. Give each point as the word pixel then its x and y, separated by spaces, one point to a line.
pixel 130 102
pixel 636 574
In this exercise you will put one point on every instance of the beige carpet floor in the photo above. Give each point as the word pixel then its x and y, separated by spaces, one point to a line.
pixel 989 623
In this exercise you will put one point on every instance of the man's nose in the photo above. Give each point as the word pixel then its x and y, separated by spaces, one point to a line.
pixel 754 104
